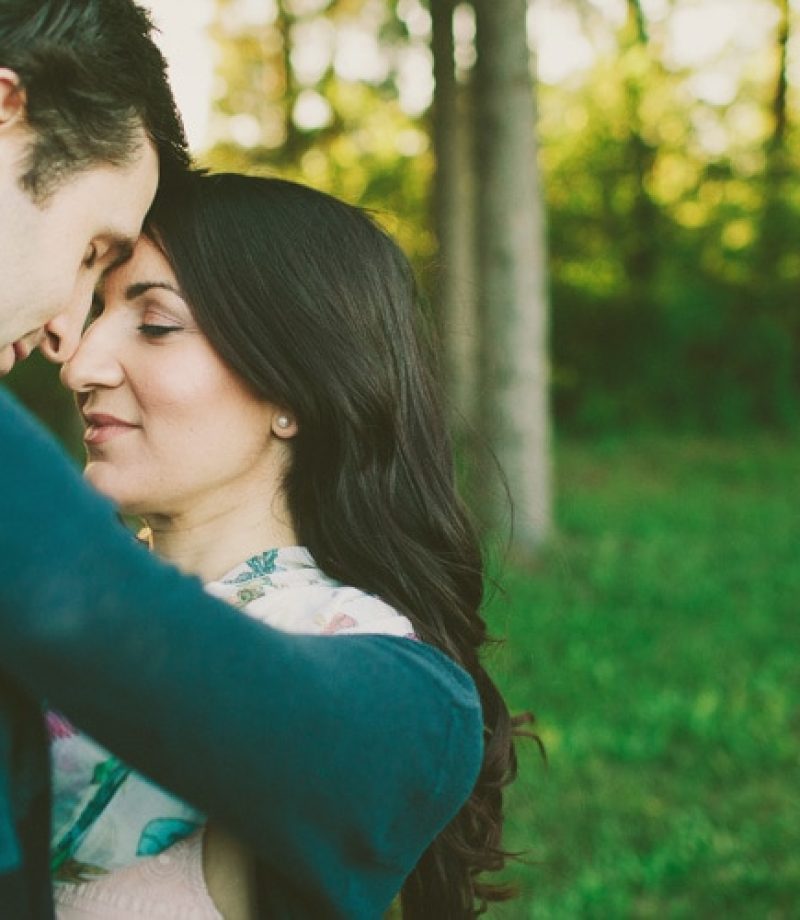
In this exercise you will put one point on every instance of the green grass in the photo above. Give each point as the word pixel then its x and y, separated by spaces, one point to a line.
pixel 658 643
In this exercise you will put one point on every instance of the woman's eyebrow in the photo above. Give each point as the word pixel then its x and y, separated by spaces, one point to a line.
pixel 141 287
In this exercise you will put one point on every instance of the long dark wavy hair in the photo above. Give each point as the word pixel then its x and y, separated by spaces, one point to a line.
pixel 312 304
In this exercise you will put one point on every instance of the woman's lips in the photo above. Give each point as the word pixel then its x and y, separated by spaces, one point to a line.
pixel 102 428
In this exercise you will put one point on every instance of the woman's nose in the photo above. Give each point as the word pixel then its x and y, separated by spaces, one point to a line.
pixel 94 363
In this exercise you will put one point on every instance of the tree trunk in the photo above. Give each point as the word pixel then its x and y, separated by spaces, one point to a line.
pixel 292 147
pixel 779 96
pixel 514 403
pixel 777 165
pixel 642 250
pixel 636 17
pixel 454 222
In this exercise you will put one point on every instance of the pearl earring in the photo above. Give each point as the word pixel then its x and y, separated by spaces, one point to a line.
pixel 282 421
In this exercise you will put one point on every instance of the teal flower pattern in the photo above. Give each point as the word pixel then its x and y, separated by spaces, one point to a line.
pixel 108 776
pixel 161 833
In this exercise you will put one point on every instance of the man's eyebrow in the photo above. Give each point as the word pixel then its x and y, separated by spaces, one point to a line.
pixel 142 287
pixel 117 238
pixel 124 250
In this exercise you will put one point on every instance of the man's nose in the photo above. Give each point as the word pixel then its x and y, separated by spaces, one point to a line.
pixel 63 333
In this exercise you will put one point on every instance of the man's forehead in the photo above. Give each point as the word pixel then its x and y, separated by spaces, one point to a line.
pixel 115 196
pixel 119 235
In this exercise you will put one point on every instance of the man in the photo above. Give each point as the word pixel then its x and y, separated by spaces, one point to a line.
pixel 85 117
pixel 225 712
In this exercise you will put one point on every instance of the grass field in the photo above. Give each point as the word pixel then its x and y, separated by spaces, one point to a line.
pixel 658 643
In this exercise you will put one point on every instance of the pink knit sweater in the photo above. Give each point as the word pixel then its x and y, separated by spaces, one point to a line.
pixel 169 886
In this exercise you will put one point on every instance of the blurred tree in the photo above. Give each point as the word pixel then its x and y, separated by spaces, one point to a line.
pixel 673 195
pixel 775 250
pixel 673 200
pixel 641 253
pixel 514 375
pixel 779 98
pixel 454 219
pixel 254 108
pixel 310 89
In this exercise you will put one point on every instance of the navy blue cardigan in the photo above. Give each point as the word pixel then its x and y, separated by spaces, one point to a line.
pixel 336 760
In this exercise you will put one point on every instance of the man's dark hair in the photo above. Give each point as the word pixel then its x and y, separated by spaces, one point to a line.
pixel 93 79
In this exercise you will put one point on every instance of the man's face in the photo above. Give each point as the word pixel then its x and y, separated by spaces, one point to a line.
pixel 53 254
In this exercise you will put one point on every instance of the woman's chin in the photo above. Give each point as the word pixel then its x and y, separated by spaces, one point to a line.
pixel 109 484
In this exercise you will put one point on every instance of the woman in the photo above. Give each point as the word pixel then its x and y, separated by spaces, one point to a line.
pixel 254 386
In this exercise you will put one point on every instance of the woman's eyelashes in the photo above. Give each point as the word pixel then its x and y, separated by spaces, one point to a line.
pixel 150 330
pixel 155 331
pixel 157 320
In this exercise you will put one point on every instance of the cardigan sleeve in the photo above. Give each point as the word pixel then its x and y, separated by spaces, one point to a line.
pixel 24 808
pixel 336 759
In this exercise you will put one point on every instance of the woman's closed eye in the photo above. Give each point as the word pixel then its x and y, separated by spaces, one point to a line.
pixel 157 331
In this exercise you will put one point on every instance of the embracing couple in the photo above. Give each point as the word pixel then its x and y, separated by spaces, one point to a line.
pixel 270 703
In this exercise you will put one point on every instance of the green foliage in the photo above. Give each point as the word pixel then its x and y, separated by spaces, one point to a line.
pixel 370 151
pixel 673 265
pixel 657 644
pixel 674 261
pixel 674 270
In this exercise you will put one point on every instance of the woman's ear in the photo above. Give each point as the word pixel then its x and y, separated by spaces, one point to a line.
pixel 12 97
pixel 284 424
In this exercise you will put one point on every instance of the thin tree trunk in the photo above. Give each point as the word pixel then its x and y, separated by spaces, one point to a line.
pixel 779 114
pixel 641 256
pixel 292 146
pixel 772 243
pixel 636 15
pixel 777 164
pixel 454 220
pixel 513 292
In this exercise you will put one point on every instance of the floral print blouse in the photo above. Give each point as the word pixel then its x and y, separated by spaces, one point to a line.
pixel 105 815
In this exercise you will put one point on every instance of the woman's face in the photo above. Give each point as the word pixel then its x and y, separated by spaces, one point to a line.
pixel 168 425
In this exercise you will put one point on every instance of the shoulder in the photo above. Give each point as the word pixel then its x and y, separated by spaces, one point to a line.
pixel 304 600
pixel 398 728
pixel 422 706
pixel 350 611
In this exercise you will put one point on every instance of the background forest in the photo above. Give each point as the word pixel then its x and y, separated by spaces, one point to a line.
pixel 671 198
pixel 651 618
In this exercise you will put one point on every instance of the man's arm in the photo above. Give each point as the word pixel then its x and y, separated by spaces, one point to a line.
pixel 24 808
pixel 335 759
